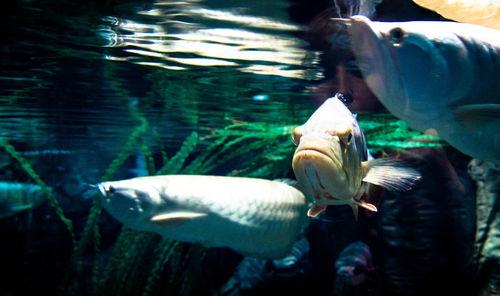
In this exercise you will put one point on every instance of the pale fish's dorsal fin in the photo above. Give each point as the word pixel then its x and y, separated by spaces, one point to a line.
pixel 476 115
pixel 316 210
pixel 175 218
pixel 390 173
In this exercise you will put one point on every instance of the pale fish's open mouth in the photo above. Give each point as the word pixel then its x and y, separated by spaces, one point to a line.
pixel 321 174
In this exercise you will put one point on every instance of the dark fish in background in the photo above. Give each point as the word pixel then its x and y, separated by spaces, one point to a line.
pixel 255 276
pixel 354 270
pixel 487 243
pixel 19 197
pixel 425 240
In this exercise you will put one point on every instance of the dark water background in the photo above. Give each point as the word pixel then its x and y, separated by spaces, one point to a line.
pixel 77 77
pixel 74 75
pixel 71 72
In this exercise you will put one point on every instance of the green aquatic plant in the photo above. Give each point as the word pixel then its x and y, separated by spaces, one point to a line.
pixel 175 163
pixel 45 189
pixel 91 234
pixel 385 132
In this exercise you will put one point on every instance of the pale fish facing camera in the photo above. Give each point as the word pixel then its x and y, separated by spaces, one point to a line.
pixel 331 162
pixel 439 77
pixel 255 217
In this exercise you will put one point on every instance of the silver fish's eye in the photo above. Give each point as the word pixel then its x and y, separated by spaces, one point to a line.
pixel 397 36
pixel 111 189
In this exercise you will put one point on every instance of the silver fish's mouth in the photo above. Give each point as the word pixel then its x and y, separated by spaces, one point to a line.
pixel 102 190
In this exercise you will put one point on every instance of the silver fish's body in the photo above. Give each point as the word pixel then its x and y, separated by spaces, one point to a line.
pixel 18 197
pixel 255 217
pixel 331 161
pixel 439 77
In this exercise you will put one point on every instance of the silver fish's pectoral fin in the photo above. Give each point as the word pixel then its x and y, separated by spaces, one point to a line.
pixel 390 173
pixel 175 218
pixel 316 210
pixel 477 115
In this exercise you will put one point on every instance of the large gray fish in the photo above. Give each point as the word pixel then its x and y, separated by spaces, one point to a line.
pixel 440 77
pixel 19 197
pixel 331 162
pixel 255 217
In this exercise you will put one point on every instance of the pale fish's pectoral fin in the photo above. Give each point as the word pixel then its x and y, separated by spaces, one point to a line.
pixel 365 205
pixel 316 210
pixel 390 173
pixel 477 115
pixel 359 203
pixel 175 218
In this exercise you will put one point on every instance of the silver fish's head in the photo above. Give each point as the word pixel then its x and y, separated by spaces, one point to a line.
pixel 330 149
pixel 132 202
pixel 409 65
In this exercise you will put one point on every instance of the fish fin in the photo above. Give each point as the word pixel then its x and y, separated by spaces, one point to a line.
pixel 475 115
pixel 390 173
pixel 355 211
pixel 316 210
pixel 175 218
pixel 365 205
pixel 359 203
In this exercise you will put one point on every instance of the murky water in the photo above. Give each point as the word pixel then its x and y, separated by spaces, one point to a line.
pixel 71 75
pixel 94 91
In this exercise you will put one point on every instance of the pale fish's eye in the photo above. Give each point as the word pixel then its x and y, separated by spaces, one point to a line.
pixel 346 136
pixel 296 134
pixel 111 189
pixel 397 36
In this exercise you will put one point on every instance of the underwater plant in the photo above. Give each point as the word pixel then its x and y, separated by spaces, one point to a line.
pixel 45 189
pixel 145 263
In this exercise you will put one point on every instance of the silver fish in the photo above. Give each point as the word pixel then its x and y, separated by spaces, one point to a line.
pixel 439 77
pixel 331 162
pixel 255 217
pixel 19 197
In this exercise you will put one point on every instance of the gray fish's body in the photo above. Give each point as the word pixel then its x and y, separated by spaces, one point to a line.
pixel 439 77
pixel 255 217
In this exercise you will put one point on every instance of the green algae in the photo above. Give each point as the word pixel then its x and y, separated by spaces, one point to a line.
pixel 45 189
